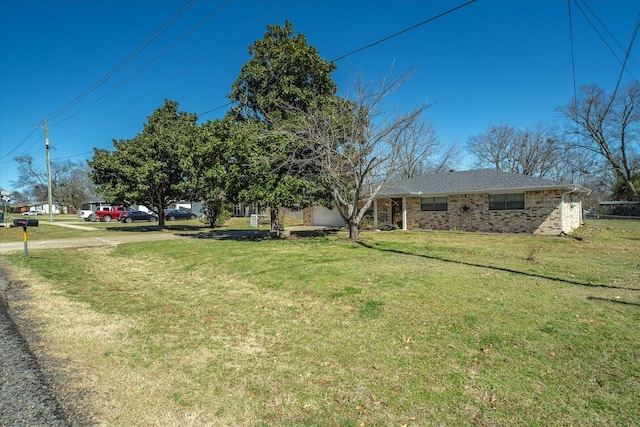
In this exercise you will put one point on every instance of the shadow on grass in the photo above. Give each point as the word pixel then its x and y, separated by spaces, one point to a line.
pixel 617 301
pixel 314 233
pixel 249 235
pixel 153 226
pixel 503 269
pixel 257 234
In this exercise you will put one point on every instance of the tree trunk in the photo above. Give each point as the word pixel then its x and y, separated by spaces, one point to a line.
pixel 160 217
pixel 276 227
pixel 354 232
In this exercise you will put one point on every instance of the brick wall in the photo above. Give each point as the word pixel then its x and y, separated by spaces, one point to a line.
pixel 306 216
pixel 572 213
pixel 470 212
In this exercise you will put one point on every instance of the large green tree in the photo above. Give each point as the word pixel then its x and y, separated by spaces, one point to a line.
pixel 148 169
pixel 205 161
pixel 284 75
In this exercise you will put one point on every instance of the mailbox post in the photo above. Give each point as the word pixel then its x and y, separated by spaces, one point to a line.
pixel 25 222
pixel 5 197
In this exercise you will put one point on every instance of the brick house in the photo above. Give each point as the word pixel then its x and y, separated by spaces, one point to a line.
pixel 480 200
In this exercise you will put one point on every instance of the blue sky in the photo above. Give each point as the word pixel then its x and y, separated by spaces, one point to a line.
pixel 490 62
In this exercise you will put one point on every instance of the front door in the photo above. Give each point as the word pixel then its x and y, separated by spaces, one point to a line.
pixel 396 212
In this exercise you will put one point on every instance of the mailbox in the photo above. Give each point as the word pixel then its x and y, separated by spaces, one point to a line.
pixel 25 222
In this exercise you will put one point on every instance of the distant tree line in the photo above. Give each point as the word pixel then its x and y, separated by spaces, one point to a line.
pixel 597 144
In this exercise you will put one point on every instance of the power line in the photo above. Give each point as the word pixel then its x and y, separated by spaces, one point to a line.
pixel 150 91
pixel 21 142
pixel 131 76
pixel 404 31
pixel 600 35
pixel 215 108
pixel 154 36
pixel 173 77
pixel 607 30
pixel 573 60
pixel 161 29
pixel 374 43
pixel 573 64
pixel 80 154
pixel 633 38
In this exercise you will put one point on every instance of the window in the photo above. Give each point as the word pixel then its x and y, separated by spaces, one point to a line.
pixel 501 202
pixel 433 204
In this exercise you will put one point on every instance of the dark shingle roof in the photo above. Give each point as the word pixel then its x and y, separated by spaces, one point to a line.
pixel 471 181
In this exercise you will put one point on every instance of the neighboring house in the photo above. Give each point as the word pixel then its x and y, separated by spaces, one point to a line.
pixel 41 206
pixel 91 205
pixel 480 200
pixel 246 209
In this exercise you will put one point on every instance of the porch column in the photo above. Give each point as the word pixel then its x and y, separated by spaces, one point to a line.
pixel 404 213
pixel 375 213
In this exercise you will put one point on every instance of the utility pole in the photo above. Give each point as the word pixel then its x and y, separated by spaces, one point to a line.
pixel 46 141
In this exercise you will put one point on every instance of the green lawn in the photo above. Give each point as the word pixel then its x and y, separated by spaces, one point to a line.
pixel 424 328
pixel 46 230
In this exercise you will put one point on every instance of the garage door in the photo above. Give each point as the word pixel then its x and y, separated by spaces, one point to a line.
pixel 326 217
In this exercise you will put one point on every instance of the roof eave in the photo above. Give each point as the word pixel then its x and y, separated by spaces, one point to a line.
pixel 565 188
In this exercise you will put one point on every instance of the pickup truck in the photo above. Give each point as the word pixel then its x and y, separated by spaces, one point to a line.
pixel 85 214
pixel 89 215
pixel 107 213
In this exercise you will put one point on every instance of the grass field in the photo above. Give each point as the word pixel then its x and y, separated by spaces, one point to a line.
pixel 424 328
pixel 46 230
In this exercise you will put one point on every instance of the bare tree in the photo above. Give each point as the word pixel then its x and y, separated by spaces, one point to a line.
pixel 491 149
pixel 532 151
pixel 446 161
pixel 70 183
pixel 417 145
pixel 608 125
pixel 353 147
pixel 536 150
pixel 421 152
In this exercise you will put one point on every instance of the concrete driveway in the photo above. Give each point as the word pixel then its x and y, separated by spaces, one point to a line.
pixel 149 236
pixel 85 242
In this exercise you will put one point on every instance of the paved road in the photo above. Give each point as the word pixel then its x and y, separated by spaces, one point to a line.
pixel 26 398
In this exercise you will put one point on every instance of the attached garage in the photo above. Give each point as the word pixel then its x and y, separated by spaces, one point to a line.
pixel 322 216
